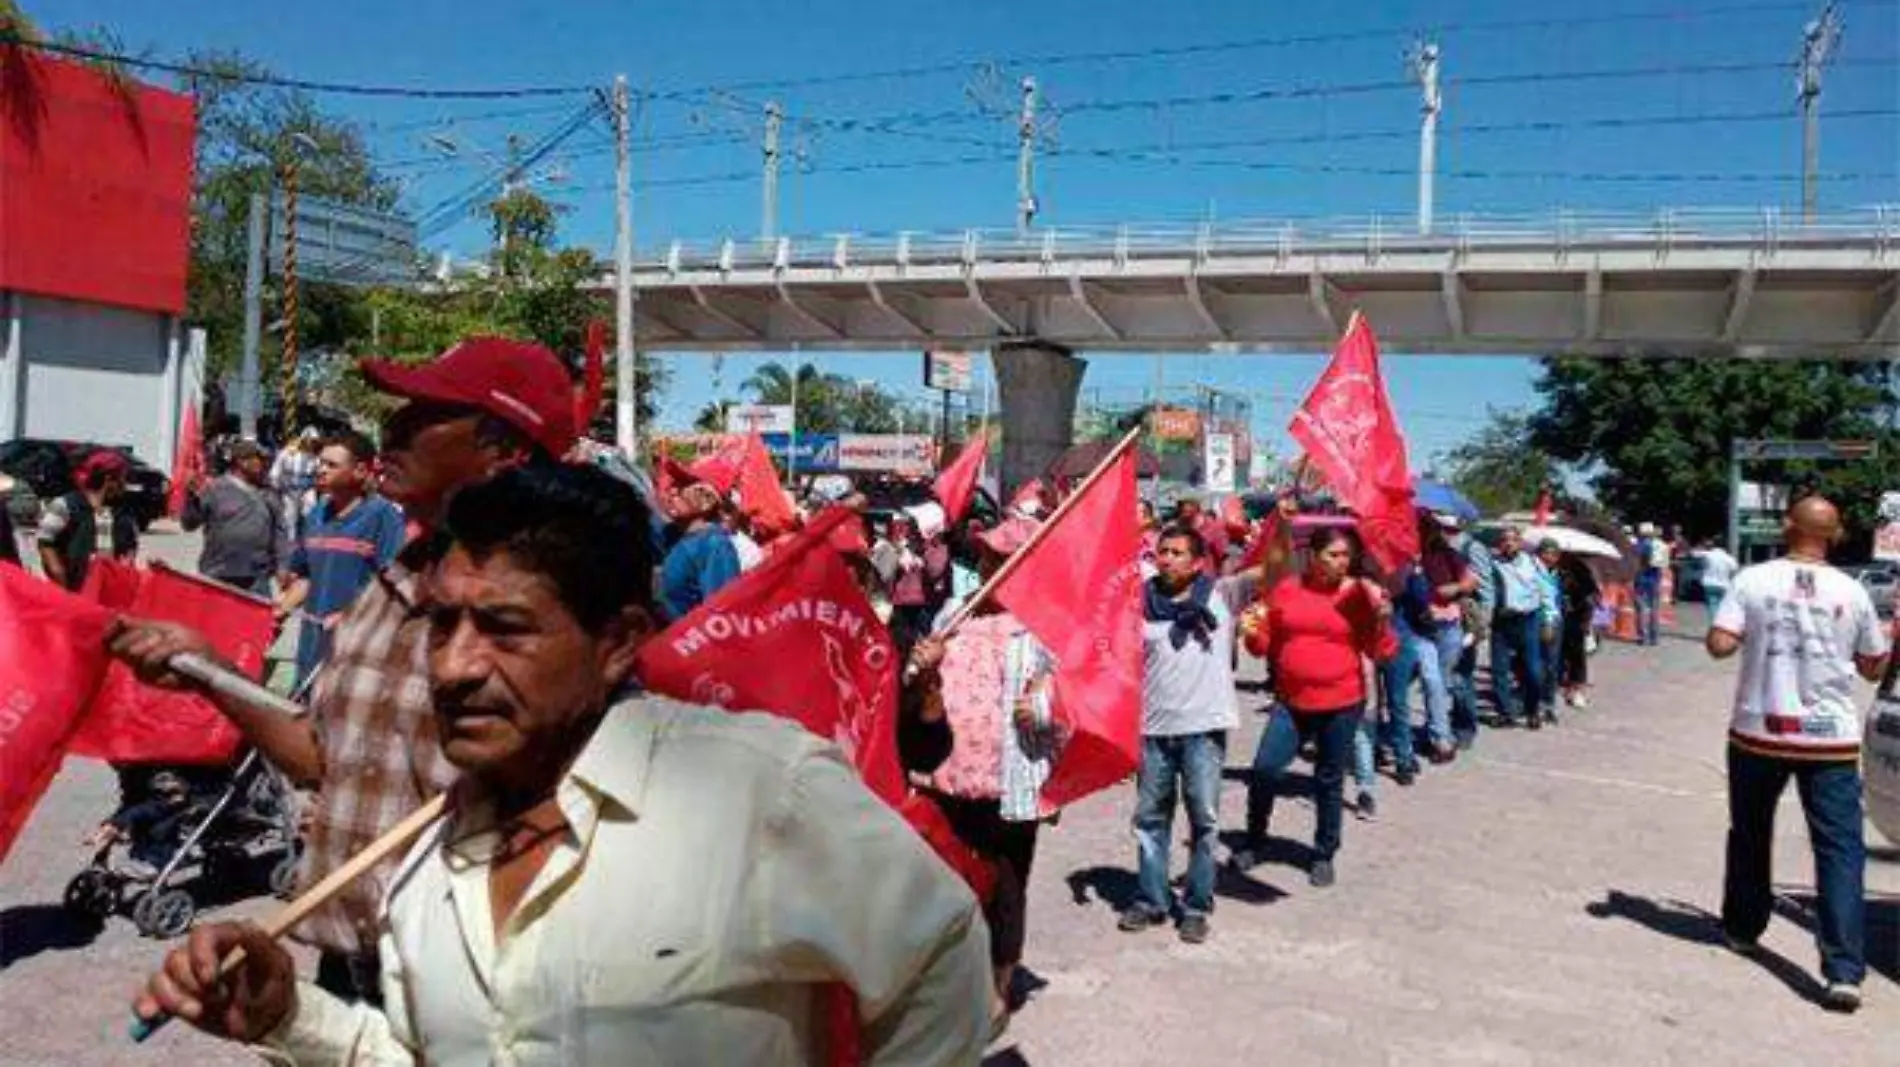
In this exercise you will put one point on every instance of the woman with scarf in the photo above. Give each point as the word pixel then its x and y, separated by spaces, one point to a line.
pixel 1187 701
pixel 1316 630
pixel 992 680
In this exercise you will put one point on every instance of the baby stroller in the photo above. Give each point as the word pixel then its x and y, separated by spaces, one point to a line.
pixel 220 824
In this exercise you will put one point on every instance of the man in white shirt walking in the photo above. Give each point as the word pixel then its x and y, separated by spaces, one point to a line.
pixel 1804 631
pixel 1718 574
pixel 1187 709
pixel 638 881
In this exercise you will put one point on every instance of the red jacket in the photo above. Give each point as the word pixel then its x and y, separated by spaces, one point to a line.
pixel 1315 640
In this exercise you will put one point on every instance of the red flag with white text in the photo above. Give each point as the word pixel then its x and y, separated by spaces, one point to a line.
pixel 1079 592
pixel 794 636
pixel 52 658
pixel 1348 430
pixel 131 722
pixel 955 486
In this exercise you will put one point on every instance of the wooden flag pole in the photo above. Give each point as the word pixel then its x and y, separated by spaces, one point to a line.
pixel 1009 566
pixel 320 894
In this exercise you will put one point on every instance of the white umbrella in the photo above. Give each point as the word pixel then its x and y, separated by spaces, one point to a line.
pixel 1570 540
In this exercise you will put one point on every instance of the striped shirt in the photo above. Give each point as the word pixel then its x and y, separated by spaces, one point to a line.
pixel 382 759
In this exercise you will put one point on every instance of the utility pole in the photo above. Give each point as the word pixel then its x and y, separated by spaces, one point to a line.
pixel 626 425
pixel 774 119
pixel 1423 61
pixel 1026 159
pixel 287 413
pixel 1818 39
pixel 248 401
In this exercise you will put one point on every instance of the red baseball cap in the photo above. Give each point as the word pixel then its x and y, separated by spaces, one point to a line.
pixel 518 382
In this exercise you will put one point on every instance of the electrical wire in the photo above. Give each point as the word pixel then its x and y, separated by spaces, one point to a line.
pixel 126 59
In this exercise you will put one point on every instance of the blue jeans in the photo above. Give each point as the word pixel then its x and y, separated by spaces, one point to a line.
pixel 1648 612
pixel 1831 799
pixel 1517 669
pixel 1396 675
pixel 1712 597
pixel 1333 734
pixel 1550 649
pixel 1195 760
pixel 1464 693
pixel 1438 655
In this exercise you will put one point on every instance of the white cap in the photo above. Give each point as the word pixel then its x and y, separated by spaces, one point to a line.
pixel 1448 521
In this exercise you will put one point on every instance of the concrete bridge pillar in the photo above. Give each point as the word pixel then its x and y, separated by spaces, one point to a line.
pixel 1037 385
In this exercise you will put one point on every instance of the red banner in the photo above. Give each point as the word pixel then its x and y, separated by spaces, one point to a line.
pixel 1079 592
pixel 95 184
pixel 833 667
pixel 593 377
pixel 188 467
pixel 1348 430
pixel 956 486
pixel 132 722
pixel 52 656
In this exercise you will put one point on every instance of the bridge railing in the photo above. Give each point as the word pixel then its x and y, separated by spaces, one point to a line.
pixel 1373 236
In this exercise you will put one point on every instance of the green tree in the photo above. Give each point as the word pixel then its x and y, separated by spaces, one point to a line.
pixel 1500 468
pixel 827 403
pixel 1658 431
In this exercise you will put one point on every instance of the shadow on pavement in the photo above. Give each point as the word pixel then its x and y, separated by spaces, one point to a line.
pixel 27 930
pixel 1687 922
pixel 1244 887
pixel 1114 886
pixel 1009 1057
pixel 1280 851
pixel 1882 938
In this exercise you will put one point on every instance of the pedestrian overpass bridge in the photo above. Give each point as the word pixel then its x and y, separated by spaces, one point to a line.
pixel 1748 283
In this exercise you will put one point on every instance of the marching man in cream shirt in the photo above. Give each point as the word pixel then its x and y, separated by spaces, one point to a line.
pixel 641 883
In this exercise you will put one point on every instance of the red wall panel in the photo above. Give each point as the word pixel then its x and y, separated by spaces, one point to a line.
pixel 95 185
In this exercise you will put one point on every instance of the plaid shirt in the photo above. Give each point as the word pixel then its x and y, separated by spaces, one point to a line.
pixel 382 759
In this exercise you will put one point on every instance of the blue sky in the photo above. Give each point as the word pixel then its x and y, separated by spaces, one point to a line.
pixel 1360 134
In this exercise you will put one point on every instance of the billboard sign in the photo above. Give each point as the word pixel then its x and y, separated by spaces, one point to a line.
pixel 817 452
pixel 759 418
pixel 897 453
pixel 948 370
pixel 1218 463
pixel 1177 424
pixel 344 244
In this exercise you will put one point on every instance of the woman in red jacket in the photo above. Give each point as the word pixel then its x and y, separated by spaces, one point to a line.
pixel 1315 630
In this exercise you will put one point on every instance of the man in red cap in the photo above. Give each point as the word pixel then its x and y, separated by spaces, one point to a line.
pixel 369 745
pixel 69 530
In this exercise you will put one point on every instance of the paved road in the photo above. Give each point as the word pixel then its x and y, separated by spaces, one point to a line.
pixel 1542 902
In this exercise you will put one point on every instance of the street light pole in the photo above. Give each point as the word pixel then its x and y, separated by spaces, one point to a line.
pixel 626 414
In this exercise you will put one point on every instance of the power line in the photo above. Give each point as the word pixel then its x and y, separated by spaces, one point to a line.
pixel 306 85
pixel 1390 31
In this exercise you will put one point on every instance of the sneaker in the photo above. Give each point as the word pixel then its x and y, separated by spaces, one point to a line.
pixel 1406 776
pixel 1739 946
pixel 1193 929
pixel 1138 918
pixel 1247 857
pixel 1580 702
pixel 1368 807
pixel 1841 997
pixel 1321 875
pixel 1534 721
pixel 1465 741
pixel 1442 753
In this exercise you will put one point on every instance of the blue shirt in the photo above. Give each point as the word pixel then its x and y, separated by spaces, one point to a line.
pixel 1521 585
pixel 698 565
pixel 340 553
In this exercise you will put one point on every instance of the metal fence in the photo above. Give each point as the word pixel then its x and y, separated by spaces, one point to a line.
pixel 1767 228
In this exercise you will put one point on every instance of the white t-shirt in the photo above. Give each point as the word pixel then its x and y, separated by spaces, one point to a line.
pixel 1801 626
pixel 749 553
pixel 1718 567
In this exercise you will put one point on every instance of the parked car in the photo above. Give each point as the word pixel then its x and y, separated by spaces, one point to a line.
pixel 44 471
pixel 1881 579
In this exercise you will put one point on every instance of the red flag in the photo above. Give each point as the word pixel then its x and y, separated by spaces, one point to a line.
pixel 721 469
pixel 1542 518
pixel 1033 496
pixel 1271 547
pixel 1079 591
pixel 834 667
pixel 52 656
pixel 761 494
pixel 956 485
pixel 593 380
pixel 131 722
pixel 1348 430
pixel 188 466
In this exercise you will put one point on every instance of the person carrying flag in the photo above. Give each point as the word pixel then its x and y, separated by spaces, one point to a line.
pixel 369 744
pixel 762 871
